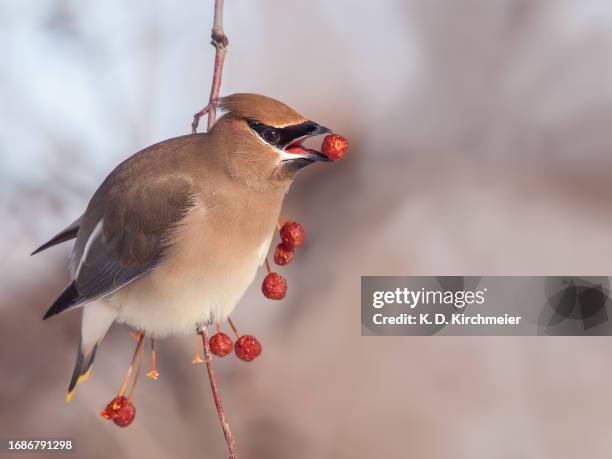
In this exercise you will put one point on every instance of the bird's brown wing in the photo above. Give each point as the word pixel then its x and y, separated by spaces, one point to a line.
pixel 124 233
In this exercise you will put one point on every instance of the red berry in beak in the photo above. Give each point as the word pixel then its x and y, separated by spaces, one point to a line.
pixel 283 254
pixel 334 147
pixel 247 348
pixel 274 286
pixel 292 234
pixel 221 344
pixel 125 415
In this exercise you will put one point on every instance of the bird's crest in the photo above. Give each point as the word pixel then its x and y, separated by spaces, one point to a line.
pixel 260 108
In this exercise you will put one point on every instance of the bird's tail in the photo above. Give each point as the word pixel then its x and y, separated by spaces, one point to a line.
pixel 98 316
pixel 82 369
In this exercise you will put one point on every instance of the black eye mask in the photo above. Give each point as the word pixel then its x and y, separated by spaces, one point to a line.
pixel 282 137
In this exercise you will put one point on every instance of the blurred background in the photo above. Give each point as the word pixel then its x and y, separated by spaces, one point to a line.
pixel 481 145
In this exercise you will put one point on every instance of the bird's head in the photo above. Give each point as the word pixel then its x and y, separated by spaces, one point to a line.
pixel 256 133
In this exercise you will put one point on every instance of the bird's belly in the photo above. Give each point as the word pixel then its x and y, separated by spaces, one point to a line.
pixel 163 305
pixel 188 290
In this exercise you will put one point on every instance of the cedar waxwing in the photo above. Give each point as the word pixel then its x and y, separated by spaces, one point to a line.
pixel 175 234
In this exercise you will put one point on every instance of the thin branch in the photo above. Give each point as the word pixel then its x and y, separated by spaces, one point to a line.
pixel 220 42
pixel 229 438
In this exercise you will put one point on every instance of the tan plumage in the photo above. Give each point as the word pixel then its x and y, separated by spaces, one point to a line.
pixel 175 234
pixel 262 108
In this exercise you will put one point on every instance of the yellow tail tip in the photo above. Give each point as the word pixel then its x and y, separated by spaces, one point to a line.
pixel 84 376
pixel 80 380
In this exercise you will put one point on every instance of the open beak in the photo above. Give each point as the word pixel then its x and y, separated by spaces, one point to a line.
pixel 299 152
pixel 314 155
pixel 320 130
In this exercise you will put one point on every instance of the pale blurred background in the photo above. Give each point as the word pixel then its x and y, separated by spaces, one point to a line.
pixel 481 136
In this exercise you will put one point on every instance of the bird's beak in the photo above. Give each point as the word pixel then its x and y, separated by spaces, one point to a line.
pixel 314 155
pixel 297 152
pixel 319 130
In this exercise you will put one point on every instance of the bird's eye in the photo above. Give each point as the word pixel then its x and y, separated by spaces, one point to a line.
pixel 270 135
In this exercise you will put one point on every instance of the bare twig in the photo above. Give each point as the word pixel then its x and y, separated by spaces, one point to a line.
pixel 220 42
pixel 229 438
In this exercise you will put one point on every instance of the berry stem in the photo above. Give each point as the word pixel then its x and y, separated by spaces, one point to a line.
pixel 229 438
pixel 278 224
pixel 233 327
pixel 218 326
pixel 137 374
pixel 126 379
pixel 153 374
pixel 198 357
pixel 268 266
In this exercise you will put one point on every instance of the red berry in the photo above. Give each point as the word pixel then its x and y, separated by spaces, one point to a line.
pixel 247 348
pixel 334 146
pixel 125 415
pixel 120 410
pixel 221 344
pixel 292 234
pixel 274 286
pixel 283 254
pixel 110 411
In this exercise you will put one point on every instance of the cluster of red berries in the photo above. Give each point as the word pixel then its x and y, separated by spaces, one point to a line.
pixel 120 410
pixel 274 286
pixel 247 347
pixel 292 235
